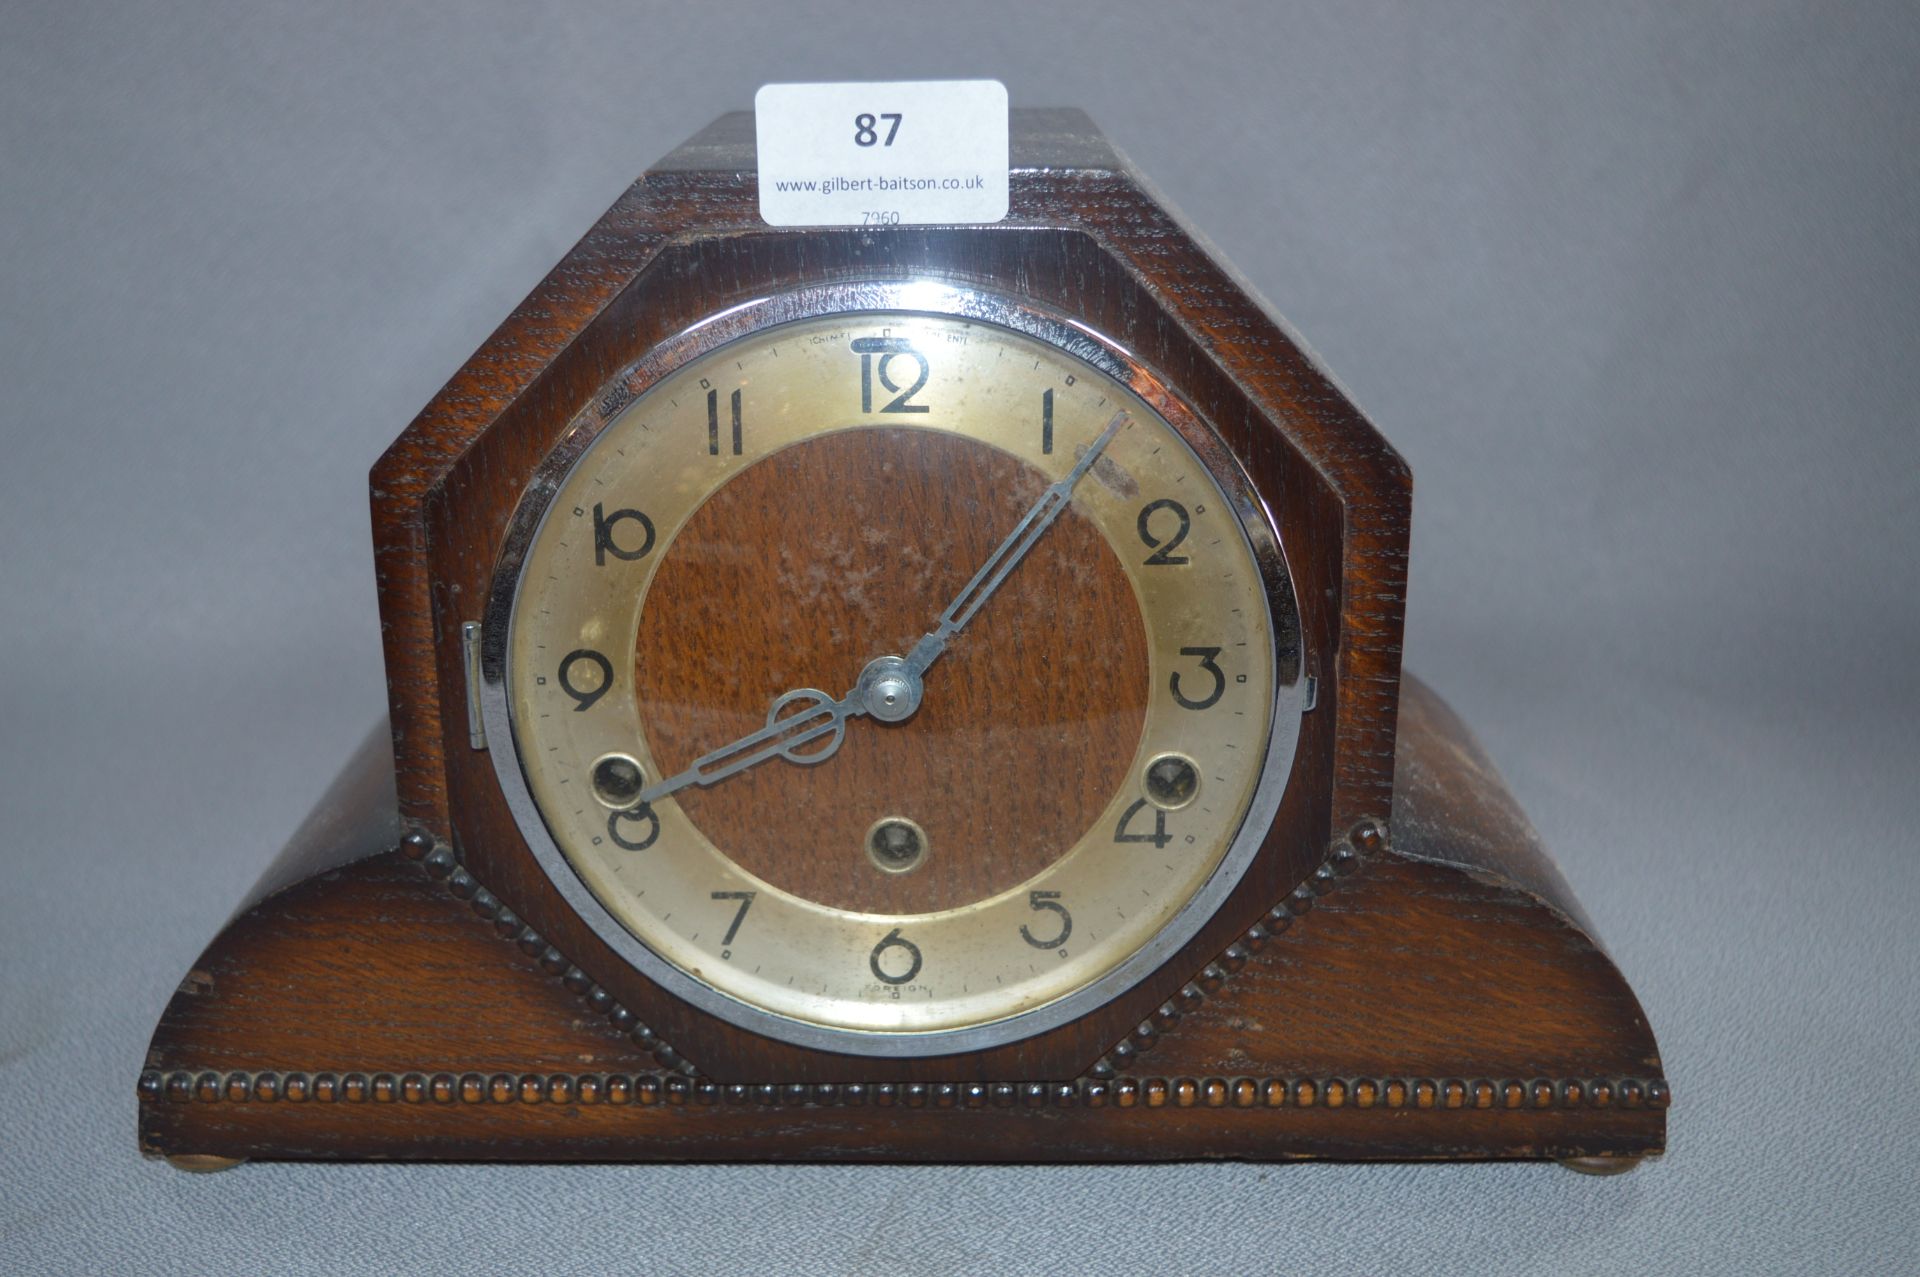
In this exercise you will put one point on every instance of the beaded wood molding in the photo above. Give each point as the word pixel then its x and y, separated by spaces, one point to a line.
pixel 1369 836
pixel 649 1089
pixel 441 862
pixel 1106 1083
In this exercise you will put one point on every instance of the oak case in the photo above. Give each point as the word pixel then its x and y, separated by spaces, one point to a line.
pixel 1399 973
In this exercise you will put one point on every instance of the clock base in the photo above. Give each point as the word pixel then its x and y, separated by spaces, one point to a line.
pixel 1433 993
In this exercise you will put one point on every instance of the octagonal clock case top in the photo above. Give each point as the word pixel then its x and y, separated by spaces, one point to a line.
pixel 892 668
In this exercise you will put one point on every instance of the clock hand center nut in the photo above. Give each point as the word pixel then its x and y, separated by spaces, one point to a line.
pixel 890 689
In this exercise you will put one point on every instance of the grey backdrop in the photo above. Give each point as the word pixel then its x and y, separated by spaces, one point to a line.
pixel 1632 285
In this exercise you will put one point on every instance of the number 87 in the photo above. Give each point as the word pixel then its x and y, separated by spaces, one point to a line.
pixel 864 133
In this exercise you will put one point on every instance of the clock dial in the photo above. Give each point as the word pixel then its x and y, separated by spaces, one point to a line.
pixel 894 674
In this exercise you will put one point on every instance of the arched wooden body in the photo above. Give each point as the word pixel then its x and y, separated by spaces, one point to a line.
pixel 1432 998
pixel 1399 973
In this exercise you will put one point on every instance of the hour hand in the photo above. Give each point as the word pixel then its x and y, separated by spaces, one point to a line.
pixel 884 691
pixel 786 735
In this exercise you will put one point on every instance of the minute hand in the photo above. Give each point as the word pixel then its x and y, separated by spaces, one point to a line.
pixel 1007 557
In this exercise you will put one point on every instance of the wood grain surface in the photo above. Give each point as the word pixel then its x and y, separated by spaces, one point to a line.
pixel 1030 719
pixel 1398 973
pixel 1413 1001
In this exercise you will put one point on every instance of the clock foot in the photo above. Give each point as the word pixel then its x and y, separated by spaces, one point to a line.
pixel 202 1163
pixel 1601 1165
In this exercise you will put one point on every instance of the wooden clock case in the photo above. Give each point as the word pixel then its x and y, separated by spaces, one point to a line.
pixel 1400 974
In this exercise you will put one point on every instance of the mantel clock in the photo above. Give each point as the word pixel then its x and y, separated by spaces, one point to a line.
pixel 902 693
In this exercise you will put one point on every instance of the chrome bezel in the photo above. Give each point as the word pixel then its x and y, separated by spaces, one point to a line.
pixel 923 297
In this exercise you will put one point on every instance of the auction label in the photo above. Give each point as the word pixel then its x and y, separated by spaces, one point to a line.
pixel 900 153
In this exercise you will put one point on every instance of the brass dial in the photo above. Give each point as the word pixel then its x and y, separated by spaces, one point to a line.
pixel 893 674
